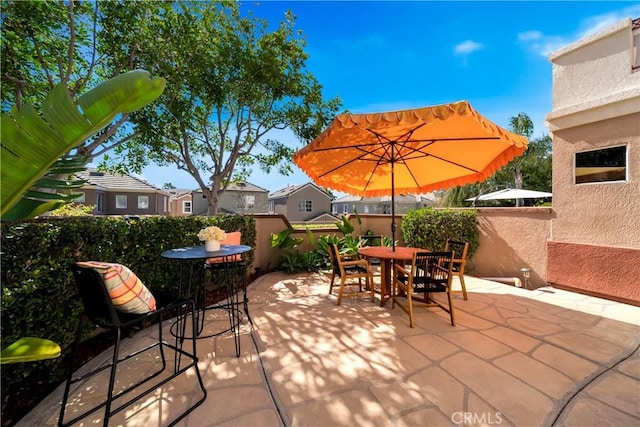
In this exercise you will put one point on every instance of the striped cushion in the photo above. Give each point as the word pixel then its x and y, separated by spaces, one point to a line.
pixel 128 293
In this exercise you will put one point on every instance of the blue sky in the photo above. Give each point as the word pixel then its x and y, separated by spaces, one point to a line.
pixel 386 56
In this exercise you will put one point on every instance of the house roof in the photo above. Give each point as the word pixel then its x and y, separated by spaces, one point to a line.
pixel 288 191
pixel 400 198
pixel 241 186
pixel 116 181
pixel 176 193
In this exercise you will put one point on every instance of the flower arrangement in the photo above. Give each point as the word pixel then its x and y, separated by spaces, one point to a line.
pixel 211 233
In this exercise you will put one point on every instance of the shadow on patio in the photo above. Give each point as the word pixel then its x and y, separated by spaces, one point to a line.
pixel 515 357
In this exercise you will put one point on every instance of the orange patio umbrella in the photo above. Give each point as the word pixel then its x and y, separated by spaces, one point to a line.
pixel 408 152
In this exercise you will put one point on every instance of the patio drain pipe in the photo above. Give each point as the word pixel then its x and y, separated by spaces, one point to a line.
pixel 508 280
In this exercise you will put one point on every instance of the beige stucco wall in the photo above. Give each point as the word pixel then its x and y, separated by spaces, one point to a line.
pixel 597 213
pixel 510 238
pixel 592 78
pixel 595 235
pixel 176 205
pixel 320 202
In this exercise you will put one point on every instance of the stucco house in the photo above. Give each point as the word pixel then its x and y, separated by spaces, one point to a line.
pixel 239 198
pixel 118 194
pixel 303 202
pixel 381 205
pixel 181 202
pixel 594 244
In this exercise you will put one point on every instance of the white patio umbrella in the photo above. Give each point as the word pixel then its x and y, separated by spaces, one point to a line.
pixel 510 193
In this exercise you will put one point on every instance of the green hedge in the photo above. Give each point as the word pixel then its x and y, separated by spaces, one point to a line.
pixel 38 292
pixel 430 228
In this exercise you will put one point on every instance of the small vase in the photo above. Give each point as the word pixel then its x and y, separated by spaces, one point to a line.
pixel 212 245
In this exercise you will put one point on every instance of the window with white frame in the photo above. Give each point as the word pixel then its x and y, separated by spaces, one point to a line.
pixel 249 202
pixel 345 208
pixel 121 201
pixel 272 206
pixel 99 202
pixel 186 207
pixel 305 206
pixel 143 202
pixel 334 208
pixel 80 198
pixel 603 165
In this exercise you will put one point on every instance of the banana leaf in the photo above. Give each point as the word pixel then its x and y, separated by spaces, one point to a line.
pixel 33 145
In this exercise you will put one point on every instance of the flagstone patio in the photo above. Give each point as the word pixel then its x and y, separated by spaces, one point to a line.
pixel 515 357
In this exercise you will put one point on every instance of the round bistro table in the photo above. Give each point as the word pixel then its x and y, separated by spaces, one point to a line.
pixel 229 255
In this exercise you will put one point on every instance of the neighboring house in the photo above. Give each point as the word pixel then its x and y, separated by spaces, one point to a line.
pixel 117 194
pixel 303 202
pixel 595 122
pixel 239 198
pixel 381 205
pixel 181 202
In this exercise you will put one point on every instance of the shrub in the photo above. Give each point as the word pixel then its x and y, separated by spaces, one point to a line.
pixel 430 228
pixel 38 291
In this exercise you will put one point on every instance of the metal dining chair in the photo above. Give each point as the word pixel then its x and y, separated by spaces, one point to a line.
pixel 100 311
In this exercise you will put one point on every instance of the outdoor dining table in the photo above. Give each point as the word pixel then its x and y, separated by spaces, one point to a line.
pixel 228 255
pixel 387 257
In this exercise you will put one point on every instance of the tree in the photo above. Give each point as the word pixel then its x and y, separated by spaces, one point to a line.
pixel 231 81
pixel 48 43
pixel 533 167
pixel 522 125
pixel 34 145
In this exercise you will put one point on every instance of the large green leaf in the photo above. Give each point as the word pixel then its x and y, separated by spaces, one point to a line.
pixel 32 144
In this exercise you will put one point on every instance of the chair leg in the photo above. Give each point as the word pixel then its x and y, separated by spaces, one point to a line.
pixel 370 286
pixel 333 278
pixel 450 308
pixel 67 385
pixel 245 296
pixel 410 305
pixel 342 280
pixel 464 288
pixel 112 379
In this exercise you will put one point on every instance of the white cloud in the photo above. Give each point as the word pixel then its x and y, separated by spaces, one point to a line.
pixel 543 44
pixel 596 23
pixel 467 47
pixel 530 35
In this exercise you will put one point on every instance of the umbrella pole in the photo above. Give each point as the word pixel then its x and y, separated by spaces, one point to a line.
pixel 393 205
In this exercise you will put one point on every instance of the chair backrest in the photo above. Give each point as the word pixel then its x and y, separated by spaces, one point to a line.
pixel 459 249
pixel 95 297
pixel 334 257
pixel 232 238
pixel 432 268
pixel 371 239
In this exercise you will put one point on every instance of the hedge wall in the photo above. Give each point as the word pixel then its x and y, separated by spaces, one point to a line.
pixel 38 291
pixel 430 228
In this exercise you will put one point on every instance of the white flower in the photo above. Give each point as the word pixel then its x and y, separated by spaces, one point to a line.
pixel 212 233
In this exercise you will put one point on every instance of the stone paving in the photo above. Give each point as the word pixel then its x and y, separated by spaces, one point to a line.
pixel 516 357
